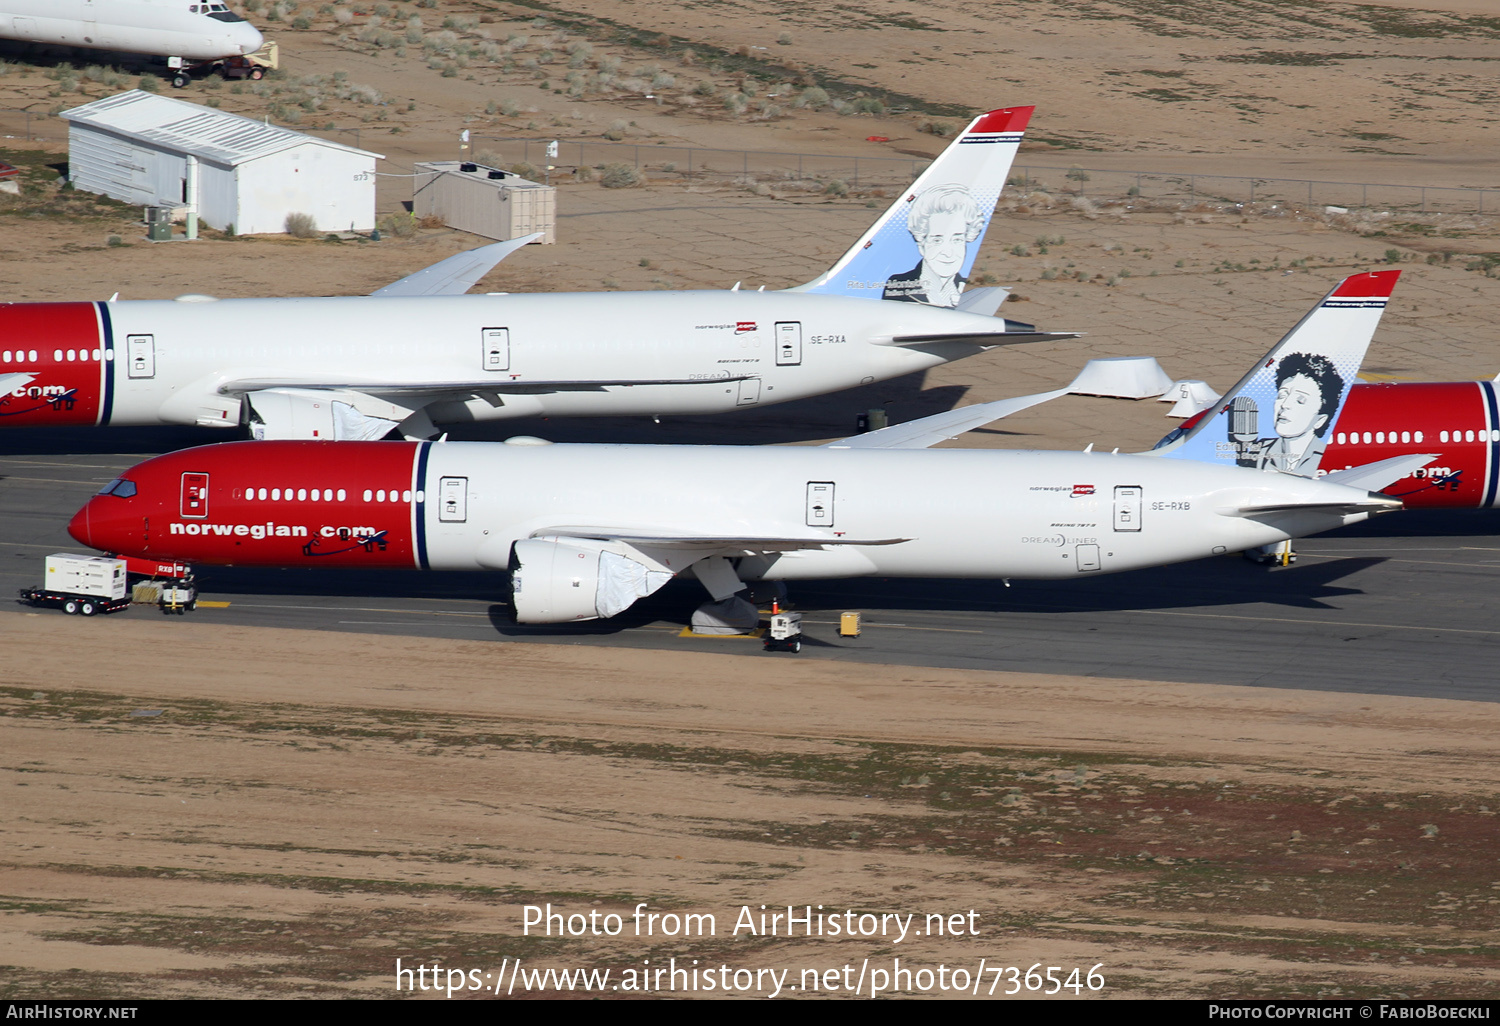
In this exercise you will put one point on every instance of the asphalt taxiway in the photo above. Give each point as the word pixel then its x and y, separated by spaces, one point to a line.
pixel 1403 605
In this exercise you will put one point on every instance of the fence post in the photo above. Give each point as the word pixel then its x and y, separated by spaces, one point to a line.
pixel 1309 192
pixel 690 162
pixel 637 158
pixel 1424 199
pixel 1252 190
pixel 1364 195
pixel 856 170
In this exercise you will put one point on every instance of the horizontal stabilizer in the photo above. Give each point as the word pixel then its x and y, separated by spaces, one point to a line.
pixel 986 339
pixel 929 431
pixel 10 382
pixel 983 301
pixel 457 274
pixel 1377 476
pixel 1376 503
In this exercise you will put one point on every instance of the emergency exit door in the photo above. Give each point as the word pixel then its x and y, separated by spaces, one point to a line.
pixel 140 350
pixel 453 500
pixel 820 504
pixel 1127 507
pixel 788 343
pixel 496 349
pixel 194 495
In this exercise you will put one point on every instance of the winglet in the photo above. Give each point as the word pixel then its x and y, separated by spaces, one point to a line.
pixel 922 249
pixel 457 274
pixel 1279 416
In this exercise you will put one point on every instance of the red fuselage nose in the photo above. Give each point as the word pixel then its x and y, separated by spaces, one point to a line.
pixel 78 527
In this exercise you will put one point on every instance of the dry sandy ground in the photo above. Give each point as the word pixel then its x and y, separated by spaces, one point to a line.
pixel 306 808
pixel 311 808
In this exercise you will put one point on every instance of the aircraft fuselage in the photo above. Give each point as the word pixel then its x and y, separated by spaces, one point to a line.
pixel 464 505
pixel 475 357
pixel 165 28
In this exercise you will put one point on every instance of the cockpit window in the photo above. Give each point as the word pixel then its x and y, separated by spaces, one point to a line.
pixel 223 15
pixel 119 486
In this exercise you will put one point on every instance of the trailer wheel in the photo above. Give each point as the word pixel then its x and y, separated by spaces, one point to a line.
pixel 70 606
pixel 179 80
pixel 797 645
pixel 257 73
pixel 87 608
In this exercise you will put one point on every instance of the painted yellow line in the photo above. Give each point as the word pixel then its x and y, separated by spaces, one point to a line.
pixel 759 632
pixel 205 604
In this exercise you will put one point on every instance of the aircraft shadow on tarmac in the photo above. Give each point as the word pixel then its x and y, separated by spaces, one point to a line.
pixel 1209 583
pixel 825 416
pixel 1206 584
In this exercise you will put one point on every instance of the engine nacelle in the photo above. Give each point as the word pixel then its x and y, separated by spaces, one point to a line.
pixel 559 580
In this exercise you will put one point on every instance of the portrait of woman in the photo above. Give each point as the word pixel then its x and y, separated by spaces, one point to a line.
pixel 943 221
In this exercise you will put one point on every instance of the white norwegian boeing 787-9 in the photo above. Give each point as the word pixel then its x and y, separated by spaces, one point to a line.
pixel 420 353
pixel 586 530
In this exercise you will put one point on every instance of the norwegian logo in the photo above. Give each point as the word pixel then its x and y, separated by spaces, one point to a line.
pixel 1082 490
pixel 744 327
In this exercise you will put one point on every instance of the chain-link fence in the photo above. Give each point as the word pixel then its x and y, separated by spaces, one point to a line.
pixel 31 124
pixel 700 162
pixel 1155 186
pixel 1189 189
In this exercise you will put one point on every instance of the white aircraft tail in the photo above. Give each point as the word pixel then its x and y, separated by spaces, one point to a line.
pixel 1280 415
pixel 923 247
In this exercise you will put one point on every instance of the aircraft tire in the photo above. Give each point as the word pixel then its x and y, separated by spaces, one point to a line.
pixel 256 74
pixel 70 607
pixel 179 80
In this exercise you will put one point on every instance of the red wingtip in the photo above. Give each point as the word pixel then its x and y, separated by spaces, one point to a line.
pixel 1368 285
pixel 1011 119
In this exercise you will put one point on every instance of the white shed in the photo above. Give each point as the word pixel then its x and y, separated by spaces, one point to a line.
pixel 134 147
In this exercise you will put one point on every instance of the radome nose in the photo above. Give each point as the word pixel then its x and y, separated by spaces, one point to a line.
pixel 78 527
pixel 250 38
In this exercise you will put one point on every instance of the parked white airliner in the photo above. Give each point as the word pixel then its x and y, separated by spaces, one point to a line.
pixel 586 530
pixel 420 353
pixel 160 28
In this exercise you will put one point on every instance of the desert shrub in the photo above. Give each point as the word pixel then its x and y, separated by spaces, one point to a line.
pixel 301 226
pixel 837 187
pixel 813 97
pixel 619 176
pixel 399 224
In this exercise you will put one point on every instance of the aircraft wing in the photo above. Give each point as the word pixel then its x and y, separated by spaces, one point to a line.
pixel 708 540
pixel 928 431
pixel 470 385
pixel 985 339
pixel 457 274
